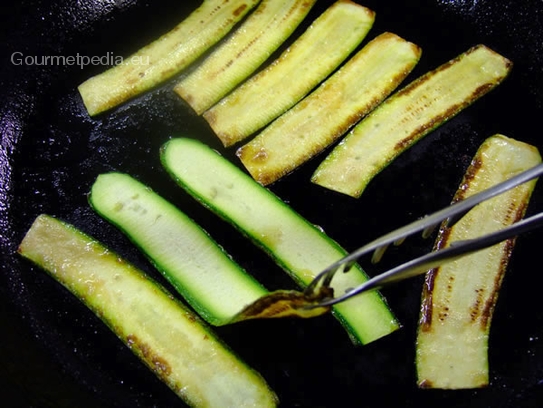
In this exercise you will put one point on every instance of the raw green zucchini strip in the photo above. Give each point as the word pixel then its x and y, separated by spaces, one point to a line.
pixel 242 52
pixel 166 336
pixel 458 298
pixel 211 282
pixel 298 246
pixel 409 115
pixel 165 57
pixel 331 110
pixel 330 39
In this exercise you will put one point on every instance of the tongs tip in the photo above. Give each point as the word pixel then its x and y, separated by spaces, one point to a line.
pixel 446 217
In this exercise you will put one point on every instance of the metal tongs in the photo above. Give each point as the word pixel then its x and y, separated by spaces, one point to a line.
pixel 450 215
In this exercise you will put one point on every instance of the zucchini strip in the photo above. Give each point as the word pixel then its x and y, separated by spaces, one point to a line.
pixel 199 269
pixel 167 337
pixel 328 41
pixel 407 116
pixel 459 297
pixel 242 52
pixel 164 57
pixel 331 110
pixel 298 246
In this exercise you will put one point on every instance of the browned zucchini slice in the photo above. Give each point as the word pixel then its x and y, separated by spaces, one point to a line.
pixel 459 297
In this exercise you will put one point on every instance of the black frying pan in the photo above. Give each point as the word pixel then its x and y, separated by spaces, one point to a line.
pixel 55 353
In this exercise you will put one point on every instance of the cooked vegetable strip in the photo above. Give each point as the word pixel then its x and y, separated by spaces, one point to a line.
pixel 243 52
pixel 407 116
pixel 211 282
pixel 329 40
pixel 285 303
pixel 459 297
pixel 301 248
pixel 166 336
pixel 328 112
pixel 165 57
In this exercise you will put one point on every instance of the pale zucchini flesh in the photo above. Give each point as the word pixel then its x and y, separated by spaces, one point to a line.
pixel 164 334
pixel 272 22
pixel 458 298
pixel 407 116
pixel 331 110
pixel 297 245
pixel 199 269
pixel 164 57
pixel 327 42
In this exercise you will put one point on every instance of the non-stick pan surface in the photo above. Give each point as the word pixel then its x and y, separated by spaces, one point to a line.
pixel 55 353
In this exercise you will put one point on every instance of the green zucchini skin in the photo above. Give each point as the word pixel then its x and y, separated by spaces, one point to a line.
pixel 298 246
pixel 199 269
pixel 168 338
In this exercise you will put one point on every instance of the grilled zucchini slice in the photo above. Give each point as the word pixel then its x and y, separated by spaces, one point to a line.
pixel 165 57
pixel 407 116
pixel 168 338
pixel 459 297
pixel 331 110
pixel 329 40
pixel 242 52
